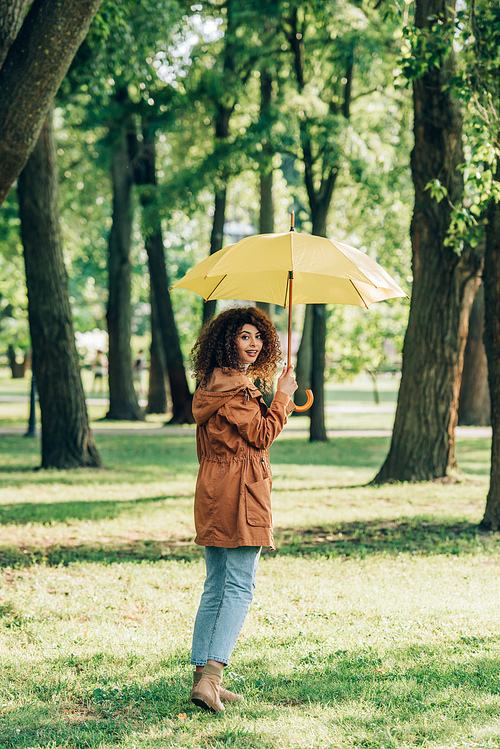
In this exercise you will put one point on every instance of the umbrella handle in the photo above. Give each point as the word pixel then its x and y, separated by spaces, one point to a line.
pixel 307 405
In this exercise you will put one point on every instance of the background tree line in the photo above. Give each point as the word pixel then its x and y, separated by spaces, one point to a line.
pixel 377 123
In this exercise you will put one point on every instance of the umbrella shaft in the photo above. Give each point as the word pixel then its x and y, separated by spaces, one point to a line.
pixel 290 293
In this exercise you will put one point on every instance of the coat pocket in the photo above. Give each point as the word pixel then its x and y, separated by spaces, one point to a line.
pixel 258 503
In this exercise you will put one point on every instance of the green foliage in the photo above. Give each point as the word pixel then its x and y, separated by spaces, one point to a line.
pixel 427 48
pixel 13 302
pixel 475 30
pixel 369 341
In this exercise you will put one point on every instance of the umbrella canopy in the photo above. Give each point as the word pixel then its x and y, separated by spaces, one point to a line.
pixel 259 268
pixel 291 268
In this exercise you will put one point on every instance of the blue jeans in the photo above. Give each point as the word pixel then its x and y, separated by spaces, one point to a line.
pixel 226 599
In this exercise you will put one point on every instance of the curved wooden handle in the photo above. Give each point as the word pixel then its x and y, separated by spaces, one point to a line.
pixel 308 403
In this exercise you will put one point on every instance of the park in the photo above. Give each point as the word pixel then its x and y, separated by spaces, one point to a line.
pixel 142 141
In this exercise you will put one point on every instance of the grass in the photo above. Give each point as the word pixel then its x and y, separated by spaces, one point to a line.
pixel 374 626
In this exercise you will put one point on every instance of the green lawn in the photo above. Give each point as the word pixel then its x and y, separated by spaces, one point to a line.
pixel 374 625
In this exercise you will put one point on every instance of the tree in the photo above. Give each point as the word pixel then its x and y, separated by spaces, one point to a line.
pixel 123 402
pixel 444 281
pixel 40 49
pixel 361 341
pixel 478 26
pixel 474 404
pixel 67 440
pixel 491 518
pixel 146 177
pixel 332 48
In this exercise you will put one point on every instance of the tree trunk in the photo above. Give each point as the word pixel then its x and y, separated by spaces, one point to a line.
pixel 216 240
pixel 319 192
pixel 41 53
pixel 266 215
pixel 318 426
pixel 221 125
pixel 491 281
pixel 317 432
pixel 444 286
pixel 179 388
pixel 12 14
pixel 67 441
pixel 474 406
pixel 17 368
pixel 157 390
pixel 123 403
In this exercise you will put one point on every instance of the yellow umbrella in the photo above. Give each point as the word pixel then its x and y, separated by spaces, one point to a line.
pixel 291 268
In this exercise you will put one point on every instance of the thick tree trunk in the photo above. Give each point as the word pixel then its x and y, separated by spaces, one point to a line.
pixel 179 388
pixel 491 280
pixel 67 441
pixel 474 406
pixel 123 403
pixel 41 53
pixel 444 286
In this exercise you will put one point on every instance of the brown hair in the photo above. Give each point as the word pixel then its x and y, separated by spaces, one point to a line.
pixel 216 345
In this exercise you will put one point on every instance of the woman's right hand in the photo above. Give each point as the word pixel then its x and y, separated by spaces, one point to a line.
pixel 286 381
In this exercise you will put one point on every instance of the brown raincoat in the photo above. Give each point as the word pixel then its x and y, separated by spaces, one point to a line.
pixel 232 505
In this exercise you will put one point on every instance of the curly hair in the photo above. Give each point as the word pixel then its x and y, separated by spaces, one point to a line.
pixel 216 345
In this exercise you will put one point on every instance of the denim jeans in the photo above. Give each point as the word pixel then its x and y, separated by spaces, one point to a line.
pixel 226 599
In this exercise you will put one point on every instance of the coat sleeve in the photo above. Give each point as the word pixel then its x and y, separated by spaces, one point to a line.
pixel 257 428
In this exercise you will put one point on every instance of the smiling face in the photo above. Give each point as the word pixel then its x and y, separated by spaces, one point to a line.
pixel 248 344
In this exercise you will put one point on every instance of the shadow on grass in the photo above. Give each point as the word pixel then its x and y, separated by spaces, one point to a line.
pixel 417 535
pixel 356 539
pixel 111 552
pixel 21 513
pixel 416 696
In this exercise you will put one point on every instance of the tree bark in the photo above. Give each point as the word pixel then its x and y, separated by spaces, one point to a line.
pixel 12 14
pixel 216 240
pixel 32 71
pixel 266 215
pixel 123 403
pixel 474 406
pixel 67 441
pixel 444 285
pixel 17 368
pixel 157 389
pixel 179 388
pixel 491 280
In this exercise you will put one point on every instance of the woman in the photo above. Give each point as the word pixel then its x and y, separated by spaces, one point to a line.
pixel 232 506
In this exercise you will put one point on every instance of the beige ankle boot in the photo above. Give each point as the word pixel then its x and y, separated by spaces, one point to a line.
pixel 205 693
pixel 224 694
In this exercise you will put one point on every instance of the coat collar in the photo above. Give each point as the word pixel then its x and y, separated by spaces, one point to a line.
pixel 222 385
